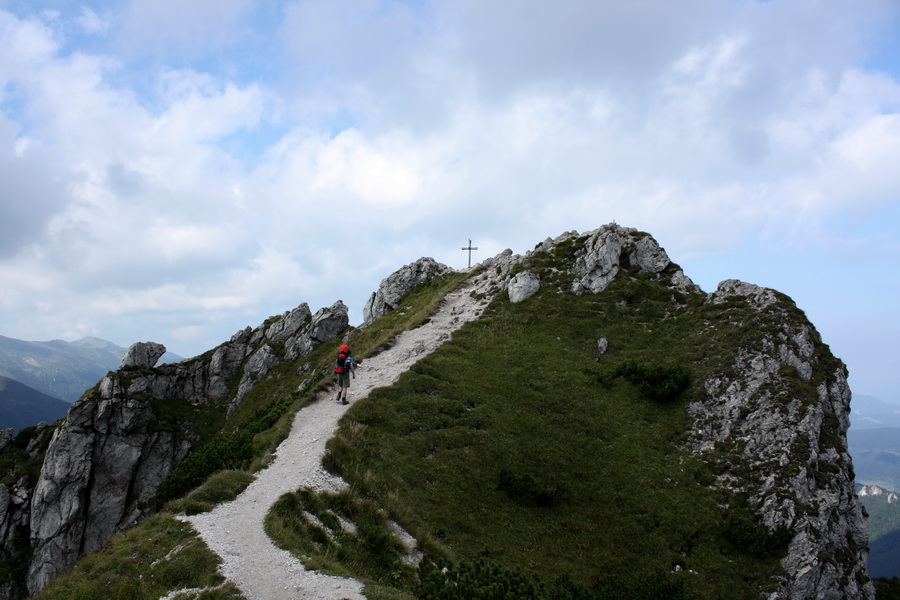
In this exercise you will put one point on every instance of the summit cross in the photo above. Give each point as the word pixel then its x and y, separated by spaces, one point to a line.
pixel 470 248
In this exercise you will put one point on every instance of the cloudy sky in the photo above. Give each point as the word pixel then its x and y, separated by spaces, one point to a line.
pixel 176 171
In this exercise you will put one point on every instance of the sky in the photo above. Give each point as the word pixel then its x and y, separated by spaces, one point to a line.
pixel 176 171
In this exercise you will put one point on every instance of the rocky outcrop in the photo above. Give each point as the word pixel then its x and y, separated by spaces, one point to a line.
pixel 142 355
pixel 775 421
pixel 523 286
pixel 109 456
pixel 601 258
pixel 889 496
pixel 399 284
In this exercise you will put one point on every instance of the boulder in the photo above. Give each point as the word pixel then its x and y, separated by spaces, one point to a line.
pixel 400 283
pixel 142 355
pixel 523 286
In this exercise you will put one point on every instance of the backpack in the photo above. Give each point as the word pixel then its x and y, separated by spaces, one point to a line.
pixel 342 365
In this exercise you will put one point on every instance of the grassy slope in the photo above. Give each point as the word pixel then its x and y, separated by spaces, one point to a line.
pixel 520 391
pixel 159 554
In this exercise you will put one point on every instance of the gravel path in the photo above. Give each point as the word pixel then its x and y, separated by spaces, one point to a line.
pixel 235 530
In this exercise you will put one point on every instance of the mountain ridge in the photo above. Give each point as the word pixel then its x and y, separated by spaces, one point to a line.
pixel 755 351
pixel 22 406
pixel 61 369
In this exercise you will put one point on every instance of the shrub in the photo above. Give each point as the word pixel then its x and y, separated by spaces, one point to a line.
pixel 526 490
pixel 659 382
pixel 228 451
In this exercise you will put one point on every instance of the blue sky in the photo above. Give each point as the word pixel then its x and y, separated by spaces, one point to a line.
pixel 177 171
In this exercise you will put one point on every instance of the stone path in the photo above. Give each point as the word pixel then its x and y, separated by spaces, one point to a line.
pixel 234 530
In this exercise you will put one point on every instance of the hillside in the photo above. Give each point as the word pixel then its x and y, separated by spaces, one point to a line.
pixel 603 429
pixel 21 406
pixel 876 456
pixel 883 507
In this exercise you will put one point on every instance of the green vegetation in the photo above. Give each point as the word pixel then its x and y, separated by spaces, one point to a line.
pixel 223 486
pixel 524 464
pixel 884 535
pixel 484 578
pixel 658 382
pixel 516 440
pixel 157 556
pixel 340 533
pixel 233 451
pixel 888 589
pixel 161 554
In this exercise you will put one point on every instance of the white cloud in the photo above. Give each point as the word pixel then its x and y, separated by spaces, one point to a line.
pixel 194 167
pixel 92 23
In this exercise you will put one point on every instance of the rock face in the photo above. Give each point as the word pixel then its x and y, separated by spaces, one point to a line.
pixel 142 355
pixel 604 250
pixel 523 286
pixel 399 284
pixel 110 455
pixel 787 451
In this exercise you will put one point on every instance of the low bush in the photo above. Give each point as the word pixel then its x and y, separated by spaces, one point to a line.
pixel 526 490
pixel 227 451
pixel 659 382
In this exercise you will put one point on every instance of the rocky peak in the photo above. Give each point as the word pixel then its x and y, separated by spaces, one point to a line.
pixel 142 355
pixel 110 455
pixel 400 283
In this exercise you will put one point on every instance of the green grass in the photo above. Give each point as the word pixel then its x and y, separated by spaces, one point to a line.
pixel 514 455
pixel 148 561
pixel 514 440
pixel 223 486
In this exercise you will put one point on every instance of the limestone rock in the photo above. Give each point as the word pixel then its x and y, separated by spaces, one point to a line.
pixel 782 442
pixel 109 456
pixel 605 249
pixel 523 286
pixel 399 284
pixel 142 355
pixel 760 297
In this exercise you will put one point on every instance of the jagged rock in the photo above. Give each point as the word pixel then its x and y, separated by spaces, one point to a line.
pixel 6 436
pixel 103 465
pixel 758 296
pixel 109 456
pixel 325 325
pixel 142 355
pixel 602 347
pixel 601 259
pixel 779 440
pixel 523 286
pixel 399 284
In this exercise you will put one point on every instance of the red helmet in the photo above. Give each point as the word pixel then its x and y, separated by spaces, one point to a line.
pixel 344 347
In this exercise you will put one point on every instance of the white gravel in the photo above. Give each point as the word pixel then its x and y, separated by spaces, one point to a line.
pixel 235 530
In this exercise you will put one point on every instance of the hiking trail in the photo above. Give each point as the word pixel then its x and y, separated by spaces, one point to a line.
pixel 234 530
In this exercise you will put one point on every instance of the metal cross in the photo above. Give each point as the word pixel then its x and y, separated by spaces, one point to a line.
pixel 470 248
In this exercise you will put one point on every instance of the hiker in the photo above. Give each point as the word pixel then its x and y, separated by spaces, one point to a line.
pixel 345 368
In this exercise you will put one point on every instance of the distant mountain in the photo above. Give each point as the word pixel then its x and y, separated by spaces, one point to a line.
pixel 21 406
pixel 883 507
pixel 61 369
pixel 876 456
pixel 867 412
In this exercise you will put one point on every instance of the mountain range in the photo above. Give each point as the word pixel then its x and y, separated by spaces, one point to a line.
pixel 51 375
pixel 21 406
